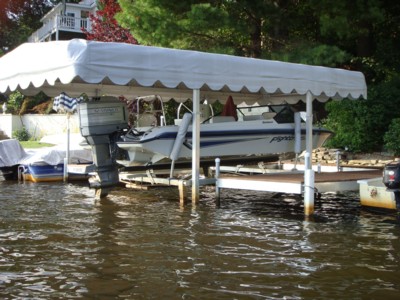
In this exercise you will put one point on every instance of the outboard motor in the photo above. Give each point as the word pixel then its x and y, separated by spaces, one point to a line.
pixel 391 179
pixel 100 123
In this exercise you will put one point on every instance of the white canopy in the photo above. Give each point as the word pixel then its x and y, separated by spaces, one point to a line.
pixel 114 69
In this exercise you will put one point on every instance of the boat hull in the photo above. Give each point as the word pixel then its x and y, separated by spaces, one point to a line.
pixel 9 173
pixel 47 173
pixel 42 173
pixel 373 193
pixel 227 140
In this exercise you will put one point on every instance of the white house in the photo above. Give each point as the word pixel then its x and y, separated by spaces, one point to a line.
pixel 65 21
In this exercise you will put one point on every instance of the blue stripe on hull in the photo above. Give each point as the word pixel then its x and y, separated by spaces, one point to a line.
pixel 46 170
pixel 46 173
pixel 37 173
pixel 240 133
pixel 224 133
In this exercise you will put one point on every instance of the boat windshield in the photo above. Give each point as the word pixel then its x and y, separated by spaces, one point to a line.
pixel 282 114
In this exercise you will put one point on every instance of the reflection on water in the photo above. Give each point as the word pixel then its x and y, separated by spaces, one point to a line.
pixel 57 242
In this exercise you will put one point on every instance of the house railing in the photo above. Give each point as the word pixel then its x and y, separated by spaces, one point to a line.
pixel 60 23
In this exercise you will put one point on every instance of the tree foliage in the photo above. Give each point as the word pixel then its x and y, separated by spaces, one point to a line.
pixel 247 28
pixel 105 27
pixel 361 125
pixel 391 137
pixel 18 18
pixel 329 32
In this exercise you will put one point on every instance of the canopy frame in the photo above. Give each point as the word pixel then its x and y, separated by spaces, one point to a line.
pixel 79 67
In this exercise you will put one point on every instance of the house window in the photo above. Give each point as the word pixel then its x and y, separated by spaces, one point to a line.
pixel 69 20
pixel 84 14
pixel 84 19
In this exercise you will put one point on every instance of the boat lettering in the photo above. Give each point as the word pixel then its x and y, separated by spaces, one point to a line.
pixel 281 138
pixel 103 110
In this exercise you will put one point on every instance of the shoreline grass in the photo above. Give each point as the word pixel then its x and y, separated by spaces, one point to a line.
pixel 34 144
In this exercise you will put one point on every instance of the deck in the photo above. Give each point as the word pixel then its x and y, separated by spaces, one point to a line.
pixel 293 182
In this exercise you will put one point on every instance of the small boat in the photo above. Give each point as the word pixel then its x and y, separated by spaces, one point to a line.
pixel 47 164
pixel 43 172
pixel 40 172
pixel 238 132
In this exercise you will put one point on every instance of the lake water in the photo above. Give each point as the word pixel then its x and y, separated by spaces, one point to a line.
pixel 57 242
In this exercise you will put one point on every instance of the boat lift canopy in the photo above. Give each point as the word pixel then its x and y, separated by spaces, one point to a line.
pixel 115 69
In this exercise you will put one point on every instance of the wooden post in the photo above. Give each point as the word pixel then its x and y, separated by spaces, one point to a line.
pixel 182 193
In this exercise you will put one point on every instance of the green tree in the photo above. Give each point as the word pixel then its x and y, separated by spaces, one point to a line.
pixel 366 29
pixel 329 32
pixel 360 125
pixel 246 28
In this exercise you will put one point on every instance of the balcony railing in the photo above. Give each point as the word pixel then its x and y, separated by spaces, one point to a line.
pixel 60 23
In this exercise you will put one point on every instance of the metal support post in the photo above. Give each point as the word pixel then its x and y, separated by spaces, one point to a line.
pixel 308 172
pixel 338 161
pixel 308 192
pixel 196 146
pixel 217 191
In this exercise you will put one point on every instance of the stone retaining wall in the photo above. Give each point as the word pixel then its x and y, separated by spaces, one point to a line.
pixel 326 156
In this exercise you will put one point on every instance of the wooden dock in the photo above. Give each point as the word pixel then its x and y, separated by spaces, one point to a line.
pixel 293 182
pixel 274 181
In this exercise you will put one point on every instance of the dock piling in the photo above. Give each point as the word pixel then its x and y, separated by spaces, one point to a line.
pixel 217 191
pixel 338 155
pixel 182 193
pixel 309 192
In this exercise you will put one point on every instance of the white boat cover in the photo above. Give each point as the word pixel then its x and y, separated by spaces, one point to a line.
pixel 98 68
pixel 55 155
pixel 11 152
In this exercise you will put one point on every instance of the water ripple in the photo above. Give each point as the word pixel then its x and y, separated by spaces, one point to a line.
pixel 58 242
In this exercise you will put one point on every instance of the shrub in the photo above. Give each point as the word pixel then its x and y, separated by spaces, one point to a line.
pixel 391 137
pixel 15 102
pixel 360 125
pixel 21 134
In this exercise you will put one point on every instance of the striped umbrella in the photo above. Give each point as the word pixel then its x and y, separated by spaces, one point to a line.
pixel 68 105
pixel 64 103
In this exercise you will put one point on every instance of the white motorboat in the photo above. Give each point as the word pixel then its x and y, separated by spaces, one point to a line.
pixel 262 131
